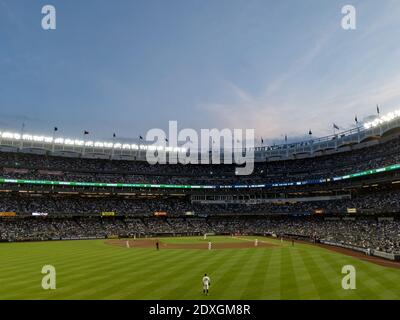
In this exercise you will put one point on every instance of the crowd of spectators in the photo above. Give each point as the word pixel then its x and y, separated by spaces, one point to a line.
pixel 43 167
pixel 369 233
pixel 383 201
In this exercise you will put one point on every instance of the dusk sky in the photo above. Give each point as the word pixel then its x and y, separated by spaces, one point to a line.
pixel 129 66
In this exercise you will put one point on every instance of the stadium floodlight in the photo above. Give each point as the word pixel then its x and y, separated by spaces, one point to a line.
pixel 386 118
pixel 27 137
pixel 79 142
pixel 38 138
pixel 96 144
pixel 108 145
pixel 89 143
pixel 69 142
pixel 10 135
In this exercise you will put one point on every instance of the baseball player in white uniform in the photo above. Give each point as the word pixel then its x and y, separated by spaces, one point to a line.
pixel 206 284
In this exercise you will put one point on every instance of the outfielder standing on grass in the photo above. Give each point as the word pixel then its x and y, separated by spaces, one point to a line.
pixel 206 284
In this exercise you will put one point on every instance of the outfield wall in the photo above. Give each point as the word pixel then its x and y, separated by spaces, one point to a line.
pixel 376 253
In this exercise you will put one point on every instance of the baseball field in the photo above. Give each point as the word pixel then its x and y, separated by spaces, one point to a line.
pixel 114 269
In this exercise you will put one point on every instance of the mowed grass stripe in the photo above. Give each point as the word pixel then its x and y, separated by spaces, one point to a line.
pixel 125 273
pixel 255 269
pixel 162 277
pixel 272 282
pixel 305 282
pixel 335 263
pixel 94 270
pixel 166 279
pixel 80 283
pixel 257 279
pixel 325 286
pixel 223 280
pixel 373 280
pixel 189 284
pixel 30 278
pixel 166 274
pixel 237 284
pixel 70 272
pixel 27 275
pixel 288 279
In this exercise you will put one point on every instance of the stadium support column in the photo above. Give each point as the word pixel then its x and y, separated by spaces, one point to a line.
pixel 286 147
pixel 113 147
pixel 21 144
pixel 84 144
pixel 53 140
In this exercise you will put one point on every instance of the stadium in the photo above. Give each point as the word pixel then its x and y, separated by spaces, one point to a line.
pixel 116 227
pixel 221 157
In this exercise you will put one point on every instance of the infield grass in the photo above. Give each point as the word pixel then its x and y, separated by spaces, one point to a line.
pixel 95 270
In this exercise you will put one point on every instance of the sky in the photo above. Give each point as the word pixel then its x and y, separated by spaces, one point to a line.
pixel 127 66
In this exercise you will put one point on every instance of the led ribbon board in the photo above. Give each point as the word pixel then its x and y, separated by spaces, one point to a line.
pixel 181 186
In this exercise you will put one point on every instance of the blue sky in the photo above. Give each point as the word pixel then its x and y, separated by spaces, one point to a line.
pixel 129 66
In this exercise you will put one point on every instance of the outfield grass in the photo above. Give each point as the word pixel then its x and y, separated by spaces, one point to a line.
pixel 95 270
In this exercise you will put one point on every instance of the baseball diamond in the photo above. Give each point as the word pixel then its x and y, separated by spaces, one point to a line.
pixel 98 269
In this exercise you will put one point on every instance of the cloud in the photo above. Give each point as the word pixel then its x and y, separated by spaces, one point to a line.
pixel 338 77
pixel 262 113
pixel 295 118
